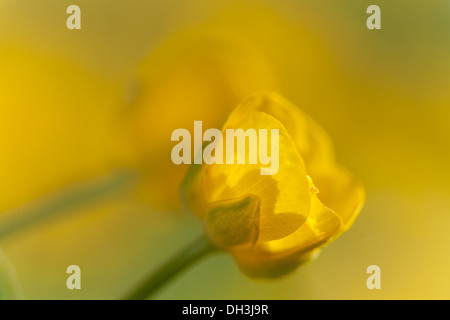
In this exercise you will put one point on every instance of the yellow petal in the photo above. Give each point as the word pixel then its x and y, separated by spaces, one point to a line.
pixel 285 192
pixel 339 190
pixel 312 142
pixel 277 258
pixel 281 225
pixel 321 224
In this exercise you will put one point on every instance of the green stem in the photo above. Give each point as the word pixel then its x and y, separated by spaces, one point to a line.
pixel 51 206
pixel 168 271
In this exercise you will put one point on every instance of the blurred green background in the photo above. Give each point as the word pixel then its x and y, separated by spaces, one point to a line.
pixel 76 105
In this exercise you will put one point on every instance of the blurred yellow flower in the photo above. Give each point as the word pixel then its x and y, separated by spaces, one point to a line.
pixel 271 224
pixel 58 114
pixel 195 75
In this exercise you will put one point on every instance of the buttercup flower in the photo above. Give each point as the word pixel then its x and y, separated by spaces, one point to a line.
pixel 273 223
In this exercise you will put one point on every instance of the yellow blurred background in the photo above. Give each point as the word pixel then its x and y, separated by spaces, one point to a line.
pixel 78 105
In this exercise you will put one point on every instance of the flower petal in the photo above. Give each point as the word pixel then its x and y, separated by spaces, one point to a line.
pixel 321 224
pixel 279 257
pixel 285 192
pixel 312 142
pixel 281 225
pixel 339 190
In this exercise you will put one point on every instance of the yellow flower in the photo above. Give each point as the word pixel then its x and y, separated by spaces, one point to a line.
pixel 273 223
